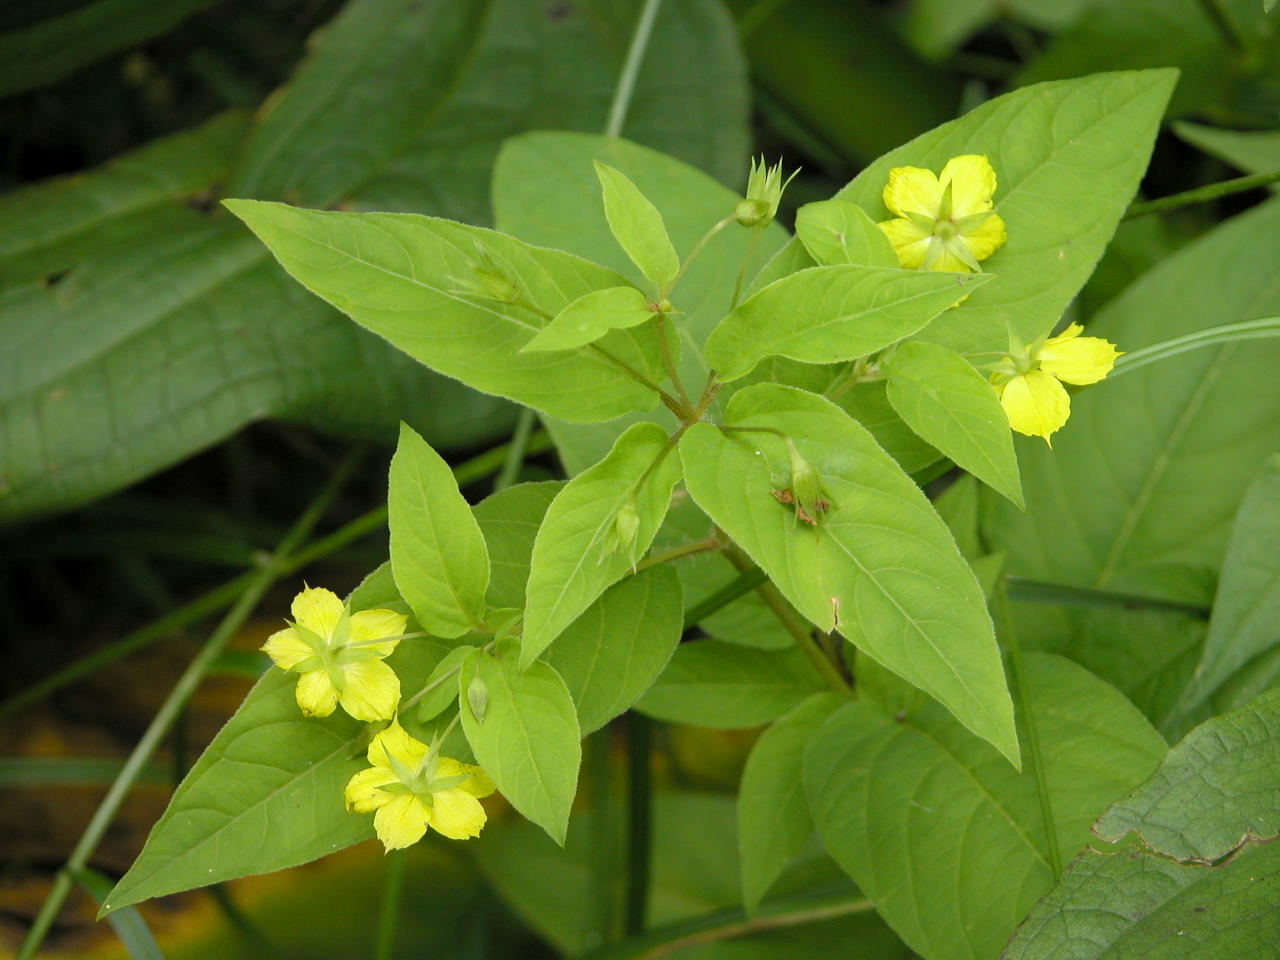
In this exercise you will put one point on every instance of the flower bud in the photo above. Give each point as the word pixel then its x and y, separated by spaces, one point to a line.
pixel 806 487
pixel 626 524
pixel 478 698
pixel 764 192
pixel 486 279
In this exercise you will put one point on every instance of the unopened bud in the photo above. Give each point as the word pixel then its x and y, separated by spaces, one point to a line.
pixel 478 698
pixel 764 192
pixel 626 524
pixel 806 487
pixel 486 279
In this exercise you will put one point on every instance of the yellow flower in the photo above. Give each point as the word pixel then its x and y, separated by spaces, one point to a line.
pixel 339 657
pixel 1030 387
pixel 946 222
pixel 410 787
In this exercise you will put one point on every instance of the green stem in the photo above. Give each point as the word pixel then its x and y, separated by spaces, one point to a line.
pixel 389 909
pixel 1221 19
pixel 697 249
pixel 639 822
pixel 742 270
pixel 216 599
pixel 704 545
pixel 664 348
pixel 740 586
pixel 1034 757
pixel 1212 191
pixel 427 688
pixel 516 450
pixel 1261 329
pixel 262 581
pixel 1035 591
pixel 670 402
pixel 631 69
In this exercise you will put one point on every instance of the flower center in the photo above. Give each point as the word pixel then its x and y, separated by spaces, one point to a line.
pixel 945 230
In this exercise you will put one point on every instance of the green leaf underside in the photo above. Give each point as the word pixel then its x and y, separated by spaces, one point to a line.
pixel 880 566
pixel 947 838
pixel 710 683
pixel 590 317
pixel 637 226
pixel 828 314
pixel 438 553
pixel 528 740
pixel 773 816
pixel 576 556
pixel 398 276
pixel 947 402
pixel 1216 791
pixel 836 231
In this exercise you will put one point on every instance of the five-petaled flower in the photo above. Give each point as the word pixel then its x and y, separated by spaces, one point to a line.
pixel 339 656
pixel 410 787
pixel 1030 385
pixel 944 222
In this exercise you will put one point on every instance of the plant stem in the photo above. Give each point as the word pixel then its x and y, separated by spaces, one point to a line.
pixel 1261 329
pixel 1035 591
pixel 744 583
pixel 209 603
pixel 664 348
pixel 262 581
pixel 675 553
pixel 517 449
pixel 1034 757
pixel 389 909
pixel 1212 191
pixel 670 402
pixel 427 688
pixel 1221 19
pixel 631 69
pixel 639 822
pixel 697 249
pixel 742 270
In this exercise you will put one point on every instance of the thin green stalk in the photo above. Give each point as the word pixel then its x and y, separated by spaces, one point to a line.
pixel 216 599
pixel 704 545
pixel 669 364
pixel 1260 329
pixel 262 581
pixel 1033 756
pixel 517 450
pixel 631 69
pixel 1212 191
pixel 1036 591
pixel 1227 29
pixel 697 249
pixel 740 586
pixel 639 822
pixel 389 909
pixel 742 270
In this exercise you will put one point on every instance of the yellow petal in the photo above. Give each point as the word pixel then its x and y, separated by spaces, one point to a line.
pixel 371 690
pixel 910 242
pixel 286 649
pixel 374 625
pixel 986 238
pixel 317 609
pixel 362 794
pixel 973 183
pixel 1035 403
pixel 949 263
pixel 401 821
pixel 394 742
pixel 316 694
pixel 912 190
pixel 456 814
pixel 477 783
pixel 1076 359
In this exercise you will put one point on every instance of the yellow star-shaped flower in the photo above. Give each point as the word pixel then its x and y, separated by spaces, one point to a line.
pixel 944 222
pixel 411 787
pixel 339 655
pixel 1030 387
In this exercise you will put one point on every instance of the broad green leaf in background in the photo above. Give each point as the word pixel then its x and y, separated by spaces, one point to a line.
pixel 828 314
pixel 590 317
pixel 614 651
pixel 880 566
pixel 1215 792
pixel 948 839
pixel 710 683
pixel 637 226
pixel 583 546
pixel 836 231
pixel 1068 157
pixel 509 520
pixel 868 403
pixel 937 27
pixel 438 553
pixel 944 399
pixel 1253 151
pixel 773 816
pixel 1139 906
pixel 528 738
pixel 1246 610
pixel 402 276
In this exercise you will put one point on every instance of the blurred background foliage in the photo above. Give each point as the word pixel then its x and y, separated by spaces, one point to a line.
pixel 169 401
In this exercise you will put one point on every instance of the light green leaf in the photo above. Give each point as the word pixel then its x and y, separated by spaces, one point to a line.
pixel 590 317
pixel 1138 906
pixel 438 553
pixel 401 276
pixel 528 740
pixel 836 231
pixel 773 815
pixel 710 683
pixel 1215 792
pixel 638 227
pixel 441 685
pixel 947 838
pixel 582 546
pixel 947 402
pixel 827 314
pixel 880 566
pixel 614 651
